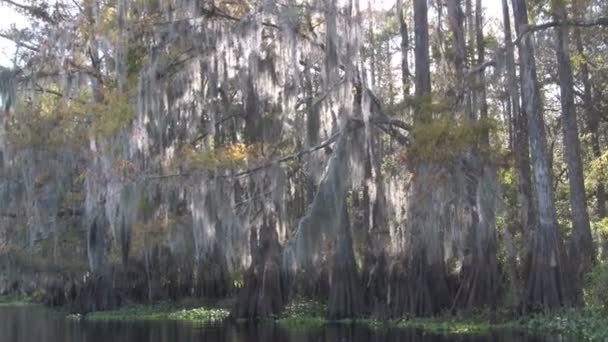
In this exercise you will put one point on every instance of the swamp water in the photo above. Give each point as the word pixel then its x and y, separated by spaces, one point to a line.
pixel 37 324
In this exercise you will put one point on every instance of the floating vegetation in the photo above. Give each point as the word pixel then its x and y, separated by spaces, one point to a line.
pixel 15 300
pixel 303 314
pixel 134 313
pixel 161 312
pixel 207 315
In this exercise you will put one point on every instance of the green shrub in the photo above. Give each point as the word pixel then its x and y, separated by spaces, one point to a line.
pixel 596 288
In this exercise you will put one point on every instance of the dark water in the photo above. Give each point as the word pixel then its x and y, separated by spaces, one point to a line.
pixel 36 324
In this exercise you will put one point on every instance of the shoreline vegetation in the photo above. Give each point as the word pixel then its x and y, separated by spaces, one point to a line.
pixel 585 323
pixel 16 300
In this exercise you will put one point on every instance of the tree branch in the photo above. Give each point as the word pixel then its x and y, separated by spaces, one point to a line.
pixel 296 155
pixel 281 160
pixel 9 215
pixel 18 42
pixel 479 68
pixel 37 12
pixel 600 21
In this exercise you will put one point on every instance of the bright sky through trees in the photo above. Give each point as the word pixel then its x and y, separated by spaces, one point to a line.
pixel 11 17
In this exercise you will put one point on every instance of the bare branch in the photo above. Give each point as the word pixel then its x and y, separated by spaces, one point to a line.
pixel 18 42
pixel 481 67
pixel 281 160
pixel 37 12
pixel 600 21
pixel 392 122
pixel 296 155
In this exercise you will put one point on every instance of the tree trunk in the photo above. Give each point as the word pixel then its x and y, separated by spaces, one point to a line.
pixel 345 293
pixel 313 127
pixel 471 96
pixel 403 31
pixel 417 281
pixel 592 121
pixel 372 44
pixel 421 52
pixel 484 276
pixel 264 294
pixel 213 280
pixel 479 273
pixel 456 22
pixel 480 86
pixel 546 286
pixel 581 242
pixel 521 148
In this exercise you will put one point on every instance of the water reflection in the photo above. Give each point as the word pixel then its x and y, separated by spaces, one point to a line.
pixel 35 324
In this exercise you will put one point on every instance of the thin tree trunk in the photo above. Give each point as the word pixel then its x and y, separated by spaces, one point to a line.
pixel 546 285
pixel 148 272
pixel 471 97
pixel 581 243
pixel 456 22
pixel 421 53
pixel 403 31
pixel 521 146
pixel 313 126
pixel 592 121
pixel 372 44
pixel 389 77
pixel 481 80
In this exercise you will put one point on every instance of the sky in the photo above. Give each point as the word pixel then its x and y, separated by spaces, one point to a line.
pixel 11 17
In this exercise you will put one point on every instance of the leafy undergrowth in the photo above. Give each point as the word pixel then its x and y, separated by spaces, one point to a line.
pixel 587 324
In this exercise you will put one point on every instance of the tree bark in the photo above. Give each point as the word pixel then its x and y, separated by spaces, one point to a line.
pixel 581 242
pixel 481 80
pixel 417 280
pixel 546 285
pixel 421 53
pixel 471 97
pixel 479 272
pixel 592 121
pixel 456 22
pixel 372 44
pixel 521 148
pixel 345 292
pixel 264 294
pixel 403 32
pixel 213 280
